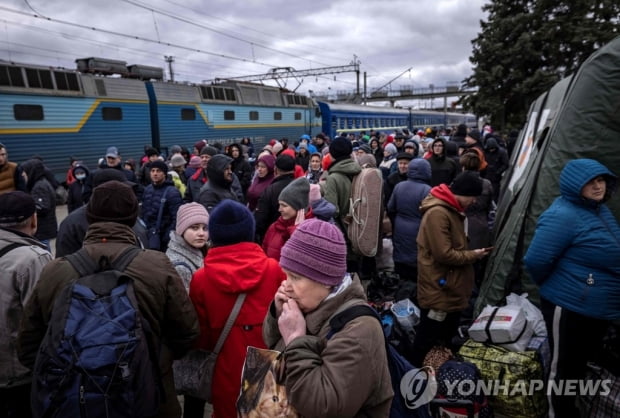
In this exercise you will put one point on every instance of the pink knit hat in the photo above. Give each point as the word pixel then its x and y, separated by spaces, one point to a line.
pixel 316 250
pixel 190 214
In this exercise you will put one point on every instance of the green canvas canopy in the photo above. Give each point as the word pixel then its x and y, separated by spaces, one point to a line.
pixel 579 117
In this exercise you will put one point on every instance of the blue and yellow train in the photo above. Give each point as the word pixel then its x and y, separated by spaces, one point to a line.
pixel 56 113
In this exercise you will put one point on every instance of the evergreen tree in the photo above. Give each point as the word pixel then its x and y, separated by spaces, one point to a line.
pixel 525 47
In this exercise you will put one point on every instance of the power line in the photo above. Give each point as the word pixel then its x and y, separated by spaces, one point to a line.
pixel 135 37
pixel 205 27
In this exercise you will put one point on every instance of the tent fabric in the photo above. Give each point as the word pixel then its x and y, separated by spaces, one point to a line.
pixel 579 117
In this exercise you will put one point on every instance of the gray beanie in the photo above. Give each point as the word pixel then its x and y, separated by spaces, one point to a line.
pixel 296 193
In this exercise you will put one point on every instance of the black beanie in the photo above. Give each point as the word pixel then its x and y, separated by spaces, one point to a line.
pixel 160 164
pixel 230 222
pixel 16 207
pixel 112 201
pixel 340 147
pixel 209 150
pixel 468 183
pixel 285 163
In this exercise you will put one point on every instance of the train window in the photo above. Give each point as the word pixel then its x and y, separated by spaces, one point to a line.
pixel 253 115
pixel 72 80
pixel 219 93
pixel 230 95
pixel 16 76
pixel 61 81
pixel 229 115
pixel 277 115
pixel 33 77
pixel 297 115
pixel 207 92
pixel 112 113
pixel 188 114
pixel 4 76
pixel 46 79
pixel 27 112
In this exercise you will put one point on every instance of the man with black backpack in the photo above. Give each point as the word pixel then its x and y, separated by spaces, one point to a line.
pixel 22 257
pixel 104 324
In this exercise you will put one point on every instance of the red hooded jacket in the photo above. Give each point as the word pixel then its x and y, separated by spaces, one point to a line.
pixel 228 271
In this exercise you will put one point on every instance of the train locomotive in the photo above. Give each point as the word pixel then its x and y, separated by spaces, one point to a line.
pixel 56 113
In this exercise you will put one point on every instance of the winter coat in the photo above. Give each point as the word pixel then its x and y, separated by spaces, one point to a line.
pixel 404 210
pixel 11 178
pixel 19 271
pixel 575 253
pixel 185 258
pixel 443 168
pixel 130 176
pixel 162 300
pixel 443 253
pixel 228 271
pixel 314 176
pixel 343 376
pixel 194 184
pixel 76 190
pixel 337 186
pixel 151 202
pixel 72 231
pixel 217 188
pixel 390 183
pixel 477 214
pixel 44 197
pixel 259 184
pixel 243 170
pixel 266 211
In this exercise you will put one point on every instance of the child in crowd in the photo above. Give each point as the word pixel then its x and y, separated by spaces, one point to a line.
pixel 293 208
pixel 188 242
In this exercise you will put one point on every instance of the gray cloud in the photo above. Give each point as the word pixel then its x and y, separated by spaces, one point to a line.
pixel 433 37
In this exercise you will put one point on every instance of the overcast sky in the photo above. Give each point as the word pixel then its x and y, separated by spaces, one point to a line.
pixel 220 38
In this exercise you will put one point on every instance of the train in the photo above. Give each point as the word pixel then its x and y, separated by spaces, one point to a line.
pixel 56 113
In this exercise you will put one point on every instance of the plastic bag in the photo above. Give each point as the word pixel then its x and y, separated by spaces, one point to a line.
pixel 406 313
pixel 532 313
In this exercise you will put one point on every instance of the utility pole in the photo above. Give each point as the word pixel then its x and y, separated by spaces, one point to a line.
pixel 170 60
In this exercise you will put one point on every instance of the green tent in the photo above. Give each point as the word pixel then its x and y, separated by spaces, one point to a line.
pixel 579 117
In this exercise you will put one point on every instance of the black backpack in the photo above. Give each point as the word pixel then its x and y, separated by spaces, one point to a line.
pixel 96 359
pixel 397 364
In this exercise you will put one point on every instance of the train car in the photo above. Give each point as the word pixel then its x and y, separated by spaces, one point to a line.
pixel 344 118
pixel 57 113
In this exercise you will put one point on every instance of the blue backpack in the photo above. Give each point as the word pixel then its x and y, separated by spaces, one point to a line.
pixel 96 359
pixel 397 364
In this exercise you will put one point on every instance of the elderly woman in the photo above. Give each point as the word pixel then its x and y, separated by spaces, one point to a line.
pixel 575 258
pixel 323 374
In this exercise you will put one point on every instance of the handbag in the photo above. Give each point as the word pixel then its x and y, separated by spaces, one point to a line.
pixel 193 374
pixel 154 235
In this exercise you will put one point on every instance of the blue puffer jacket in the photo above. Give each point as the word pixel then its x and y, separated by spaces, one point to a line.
pixel 403 209
pixel 575 253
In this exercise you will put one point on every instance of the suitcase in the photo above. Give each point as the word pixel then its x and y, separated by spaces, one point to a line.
pixel 365 212
pixel 513 371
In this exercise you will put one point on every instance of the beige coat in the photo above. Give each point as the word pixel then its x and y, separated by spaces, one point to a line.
pixel 345 376
pixel 443 253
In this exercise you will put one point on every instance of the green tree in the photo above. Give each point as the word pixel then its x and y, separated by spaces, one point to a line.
pixel 524 47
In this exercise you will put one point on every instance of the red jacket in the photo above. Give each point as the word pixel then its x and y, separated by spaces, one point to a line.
pixel 278 233
pixel 228 271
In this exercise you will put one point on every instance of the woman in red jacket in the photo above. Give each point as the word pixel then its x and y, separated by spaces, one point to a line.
pixel 233 265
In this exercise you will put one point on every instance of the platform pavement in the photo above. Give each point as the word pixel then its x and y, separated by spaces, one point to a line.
pixel 61 214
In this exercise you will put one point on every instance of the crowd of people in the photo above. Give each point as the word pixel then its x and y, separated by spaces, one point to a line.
pixel 224 220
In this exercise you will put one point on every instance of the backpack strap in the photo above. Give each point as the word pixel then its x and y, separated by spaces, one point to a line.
pixel 84 264
pixel 160 212
pixel 338 321
pixel 11 247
